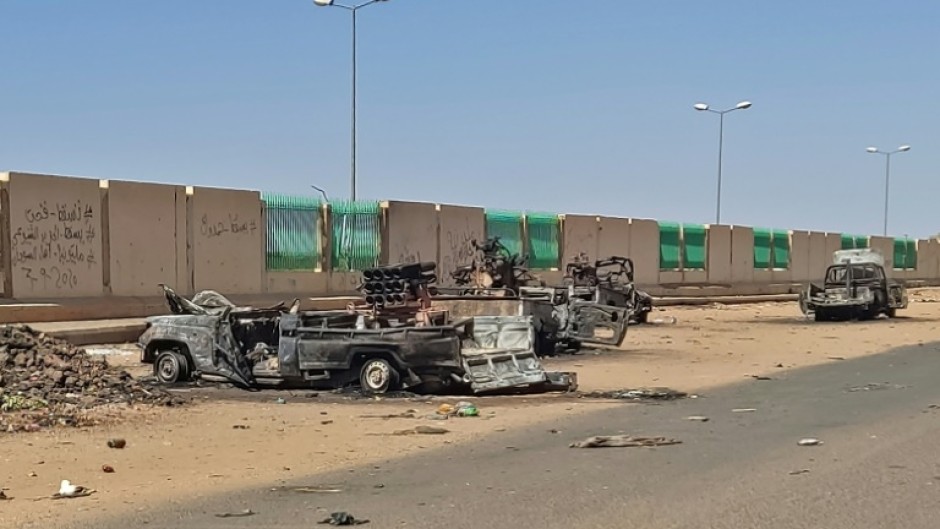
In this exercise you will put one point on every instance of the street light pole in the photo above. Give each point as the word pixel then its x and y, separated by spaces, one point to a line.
pixel 887 155
pixel 353 9
pixel 702 107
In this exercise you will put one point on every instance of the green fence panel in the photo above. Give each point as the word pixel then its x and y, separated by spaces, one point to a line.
pixel 781 245
pixel 543 230
pixel 293 232
pixel 911 254
pixel 670 241
pixel 355 234
pixel 507 225
pixel 694 246
pixel 861 241
pixel 900 254
pixel 762 248
pixel 848 242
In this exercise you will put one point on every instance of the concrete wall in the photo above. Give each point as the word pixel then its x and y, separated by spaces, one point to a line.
pixel 886 246
pixel 644 250
pixel 800 250
pixel 227 237
pixel 411 232
pixel 580 235
pixel 928 259
pixel 613 238
pixel 55 244
pixel 143 246
pixel 459 226
pixel 742 254
pixel 819 257
pixel 719 254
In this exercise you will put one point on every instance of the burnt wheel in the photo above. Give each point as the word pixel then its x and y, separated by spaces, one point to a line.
pixel 377 376
pixel 171 367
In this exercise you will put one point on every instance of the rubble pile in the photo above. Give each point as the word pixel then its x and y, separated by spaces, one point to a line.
pixel 45 381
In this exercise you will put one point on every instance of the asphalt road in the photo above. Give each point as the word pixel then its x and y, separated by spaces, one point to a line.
pixel 878 467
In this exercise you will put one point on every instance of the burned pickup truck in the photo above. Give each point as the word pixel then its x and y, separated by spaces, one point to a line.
pixel 609 282
pixel 286 347
pixel 855 286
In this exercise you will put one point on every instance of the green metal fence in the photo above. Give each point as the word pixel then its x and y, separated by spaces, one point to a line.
pixel 543 232
pixel 854 242
pixel 694 246
pixel 670 245
pixel 781 249
pixel 763 248
pixel 293 232
pixel 905 254
pixel 356 234
pixel 507 225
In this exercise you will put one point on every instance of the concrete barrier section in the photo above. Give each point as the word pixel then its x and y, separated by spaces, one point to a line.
pixel 55 225
pixel 719 254
pixel 580 235
pixel 644 250
pixel 459 226
pixel 613 238
pixel 227 240
pixel 411 234
pixel 742 255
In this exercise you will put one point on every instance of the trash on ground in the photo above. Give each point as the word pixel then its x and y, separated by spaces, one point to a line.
pixel 117 443
pixel 637 394
pixel 107 469
pixel 4 497
pixel 240 427
pixel 422 430
pixel 281 400
pixel 410 414
pixel 743 410
pixel 342 518
pixel 800 471
pixel 316 490
pixel 874 386
pixel 67 490
pixel 49 382
pixel 240 514
pixel 760 377
pixel 671 320
pixel 699 418
pixel 619 441
pixel 809 441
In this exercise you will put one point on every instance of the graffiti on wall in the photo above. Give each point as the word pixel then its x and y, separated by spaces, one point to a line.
pixel 456 250
pixel 230 226
pixel 55 243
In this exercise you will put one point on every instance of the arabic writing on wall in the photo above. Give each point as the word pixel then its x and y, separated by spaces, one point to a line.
pixel 230 226
pixel 56 244
pixel 457 251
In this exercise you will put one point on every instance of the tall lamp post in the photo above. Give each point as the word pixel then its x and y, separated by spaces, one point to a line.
pixel 887 155
pixel 352 9
pixel 702 107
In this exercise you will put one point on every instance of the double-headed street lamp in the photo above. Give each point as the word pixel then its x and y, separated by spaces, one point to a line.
pixel 352 9
pixel 887 155
pixel 702 107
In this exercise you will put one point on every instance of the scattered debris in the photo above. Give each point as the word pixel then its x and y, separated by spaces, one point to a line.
pixel 743 410
pixel 809 441
pixel 328 421
pixel 46 381
pixel 107 469
pixel 314 490
pixel 637 394
pixel 4 497
pixel 760 377
pixel 798 472
pixel 671 320
pixel 835 357
pixel 281 400
pixel 67 490
pixel 117 443
pixel 619 441
pixel 874 386
pixel 422 430
pixel 240 514
pixel 699 418
pixel 240 427
pixel 410 414
pixel 342 518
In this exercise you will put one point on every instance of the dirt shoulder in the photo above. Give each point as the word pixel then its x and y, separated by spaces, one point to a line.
pixel 218 444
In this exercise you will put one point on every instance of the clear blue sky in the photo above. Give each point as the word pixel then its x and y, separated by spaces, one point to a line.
pixel 548 105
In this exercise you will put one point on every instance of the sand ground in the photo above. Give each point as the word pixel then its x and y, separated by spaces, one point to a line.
pixel 220 444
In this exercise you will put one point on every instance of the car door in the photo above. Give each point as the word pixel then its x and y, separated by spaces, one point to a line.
pixel 598 323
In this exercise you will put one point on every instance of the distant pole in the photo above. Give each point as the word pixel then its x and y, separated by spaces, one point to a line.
pixel 352 9
pixel 702 107
pixel 887 155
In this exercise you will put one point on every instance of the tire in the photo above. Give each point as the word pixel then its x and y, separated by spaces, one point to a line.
pixel 377 376
pixel 643 317
pixel 171 367
pixel 891 313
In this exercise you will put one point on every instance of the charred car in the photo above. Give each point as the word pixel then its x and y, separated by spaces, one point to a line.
pixel 855 287
pixel 495 271
pixel 286 347
pixel 609 282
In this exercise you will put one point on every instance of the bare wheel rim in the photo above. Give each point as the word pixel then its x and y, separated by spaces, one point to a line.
pixel 377 375
pixel 169 367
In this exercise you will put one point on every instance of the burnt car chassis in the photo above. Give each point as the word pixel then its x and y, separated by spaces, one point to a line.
pixel 377 350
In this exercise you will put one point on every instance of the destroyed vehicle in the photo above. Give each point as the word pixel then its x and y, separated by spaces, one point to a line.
pixel 495 271
pixel 565 321
pixel 253 348
pixel 855 287
pixel 609 282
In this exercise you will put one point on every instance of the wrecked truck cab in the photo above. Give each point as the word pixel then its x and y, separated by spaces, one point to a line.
pixel 855 286
pixel 332 349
